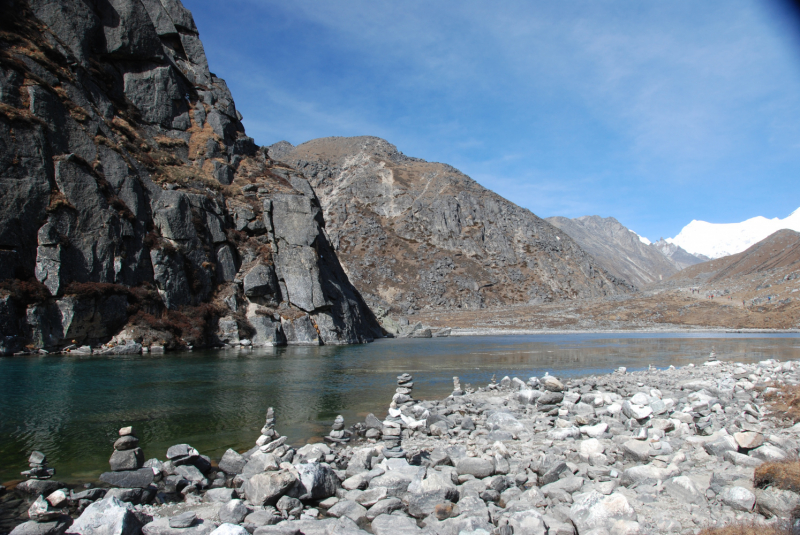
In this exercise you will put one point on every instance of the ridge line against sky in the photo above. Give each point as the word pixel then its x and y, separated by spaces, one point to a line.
pixel 653 113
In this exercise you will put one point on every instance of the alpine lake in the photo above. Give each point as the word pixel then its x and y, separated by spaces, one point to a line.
pixel 70 407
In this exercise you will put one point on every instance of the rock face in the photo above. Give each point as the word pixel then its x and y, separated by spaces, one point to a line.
pixel 135 205
pixel 619 250
pixel 413 234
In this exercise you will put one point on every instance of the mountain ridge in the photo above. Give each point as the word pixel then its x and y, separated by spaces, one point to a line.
pixel 441 238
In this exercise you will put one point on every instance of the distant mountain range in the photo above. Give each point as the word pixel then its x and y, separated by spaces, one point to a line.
pixel 716 240
pixel 624 253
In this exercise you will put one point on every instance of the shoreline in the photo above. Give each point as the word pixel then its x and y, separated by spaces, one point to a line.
pixel 666 450
pixel 699 330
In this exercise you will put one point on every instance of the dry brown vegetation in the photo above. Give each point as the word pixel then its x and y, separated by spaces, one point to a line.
pixel 785 403
pixel 747 529
pixel 781 474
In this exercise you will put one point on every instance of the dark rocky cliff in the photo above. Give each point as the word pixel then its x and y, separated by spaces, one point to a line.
pixel 414 235
pixel 134 205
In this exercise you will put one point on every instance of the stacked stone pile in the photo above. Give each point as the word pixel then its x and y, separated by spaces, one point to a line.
pixel 127 464
pixel 273 442
pixel 457 387
pixel 402 396
pixel 338 433
pixel 38 468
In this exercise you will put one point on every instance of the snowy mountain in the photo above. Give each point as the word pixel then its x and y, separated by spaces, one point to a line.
pixel 716 240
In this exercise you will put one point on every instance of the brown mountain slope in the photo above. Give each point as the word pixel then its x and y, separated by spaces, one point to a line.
pixel 779 251
pixel 414 235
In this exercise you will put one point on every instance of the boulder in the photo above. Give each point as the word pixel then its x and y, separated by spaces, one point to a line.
pixel 684 489
pixel 386 524
pixel 232 462
pixel 267 487
pixel 637 412
pixel 638 450
pixel 721 445
pixel 776 502
pixel 230 529
pixel 552 384
pixel 108 516
pixel 594 511
pixel 748 439
pixel 54 527
pixel 528 523
pixel 350 509
pixel 480 468
pixel 768 453
pixel 233 512
pixel 738 498
pixel 317 481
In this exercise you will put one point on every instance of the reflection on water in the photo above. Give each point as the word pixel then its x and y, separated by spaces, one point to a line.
pixel 71 407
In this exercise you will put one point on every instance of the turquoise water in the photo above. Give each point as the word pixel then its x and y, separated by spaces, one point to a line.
pixel 71 407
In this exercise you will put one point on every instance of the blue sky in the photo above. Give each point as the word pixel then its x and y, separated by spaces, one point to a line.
pixel 655 113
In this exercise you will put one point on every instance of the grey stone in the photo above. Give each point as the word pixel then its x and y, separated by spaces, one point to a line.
pixel 594 511
pixel 261 281
pixel 317 481
pixel 141 478
pixel 108 516
pixel 233 512
pixel 349 509
pixel 54 527
pixel 637 450
pixel 776 502
pixel 739 498
pixel 394 525
pixel 267 487
pixel 480 468
pixel 232 462
pixel 221 495
pixel 126 459
pixel 183 520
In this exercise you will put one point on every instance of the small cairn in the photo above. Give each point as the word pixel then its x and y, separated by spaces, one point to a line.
pixel 38 467
pixel 271 441
pixel 457 388
pixel 127 453
pixel 338 433
pixel 392 436
pixel 713 356
pixel 402 396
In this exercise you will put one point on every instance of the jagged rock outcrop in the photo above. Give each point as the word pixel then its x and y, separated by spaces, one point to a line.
pixel 617 248
pixel 135 205
pixel 680 257
pixel 413 234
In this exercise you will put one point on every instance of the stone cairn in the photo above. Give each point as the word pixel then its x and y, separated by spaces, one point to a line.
pixel 127 453
pixel 457 388
pixel 38 467
pixel 402 394
pixel 392 431
pixel 273 442
pixel 338 433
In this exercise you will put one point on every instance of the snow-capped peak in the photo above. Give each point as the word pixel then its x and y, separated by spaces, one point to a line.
pixel 716 240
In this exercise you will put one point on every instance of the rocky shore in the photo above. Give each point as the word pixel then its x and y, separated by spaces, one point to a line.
pixel 656 451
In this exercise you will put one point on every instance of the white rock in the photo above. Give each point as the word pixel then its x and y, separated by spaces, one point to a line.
pixel 594 511
pixel 108 516
pixel 634 411
pixel 739 498
pixel 229 529
pixel 594 431
pixel 591 446
pixel 768 453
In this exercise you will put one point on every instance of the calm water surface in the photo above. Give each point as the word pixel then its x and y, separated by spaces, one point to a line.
pixel 71 407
